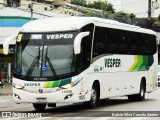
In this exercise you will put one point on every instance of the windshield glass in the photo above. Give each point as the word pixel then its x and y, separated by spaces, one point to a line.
pixel 45 55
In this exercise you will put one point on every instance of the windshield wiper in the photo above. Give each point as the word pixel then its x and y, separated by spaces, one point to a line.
pixel 49 62
pixel 34 63
pixel 51 66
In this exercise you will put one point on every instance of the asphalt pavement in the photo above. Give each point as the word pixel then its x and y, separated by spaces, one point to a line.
pixel 6 90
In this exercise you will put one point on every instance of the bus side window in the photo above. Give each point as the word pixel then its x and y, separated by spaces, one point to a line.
pixel 133 50
pixel 151 44
pixel 111 48
pixel 144 50
pixel 123 49
pixel 99 42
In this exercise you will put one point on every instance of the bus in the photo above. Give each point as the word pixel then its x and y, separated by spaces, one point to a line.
pixel 82 60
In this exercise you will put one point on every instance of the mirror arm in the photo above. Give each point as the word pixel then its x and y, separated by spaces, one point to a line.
pixel 78 40
pixel 7 43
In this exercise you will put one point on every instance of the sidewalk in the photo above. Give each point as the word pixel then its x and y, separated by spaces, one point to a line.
pixel 6 90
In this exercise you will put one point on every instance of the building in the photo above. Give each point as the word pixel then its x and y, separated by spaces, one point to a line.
pixel 9 25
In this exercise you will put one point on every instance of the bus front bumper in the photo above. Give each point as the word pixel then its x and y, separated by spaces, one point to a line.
pixel 43 96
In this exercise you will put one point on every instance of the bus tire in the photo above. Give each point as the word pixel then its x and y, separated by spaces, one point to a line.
pixel 94 98
pixel 39 107
pixel 141 95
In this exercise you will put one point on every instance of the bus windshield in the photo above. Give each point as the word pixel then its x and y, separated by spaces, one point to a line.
pixel 43 55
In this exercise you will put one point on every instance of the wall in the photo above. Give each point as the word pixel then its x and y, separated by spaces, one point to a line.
pixel 10 25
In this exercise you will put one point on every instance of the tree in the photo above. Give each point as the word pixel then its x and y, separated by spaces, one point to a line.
pixel 78 2
pixel 105 6
pixel 157 23
pixel 121 17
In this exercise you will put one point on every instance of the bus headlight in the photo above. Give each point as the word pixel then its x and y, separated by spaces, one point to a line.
pixel 18 86
pixel 67 86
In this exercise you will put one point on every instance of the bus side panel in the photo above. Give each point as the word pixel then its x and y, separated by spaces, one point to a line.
pixel 113 69
pixel 122 74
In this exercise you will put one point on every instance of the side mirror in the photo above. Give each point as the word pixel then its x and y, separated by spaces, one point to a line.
pixel 77 42
pixel 7 42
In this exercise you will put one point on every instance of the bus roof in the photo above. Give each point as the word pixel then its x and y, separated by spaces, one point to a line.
pixel 74 23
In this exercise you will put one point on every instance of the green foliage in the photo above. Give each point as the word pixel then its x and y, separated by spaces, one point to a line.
pixel 102 6
pixel 105 6
pixel 78 2
pixel 107 10
pixel 93 14
pixel 121 17
pixel 121 14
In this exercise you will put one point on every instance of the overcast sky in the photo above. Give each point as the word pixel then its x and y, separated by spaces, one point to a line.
pixel 117 4
pixel 138 7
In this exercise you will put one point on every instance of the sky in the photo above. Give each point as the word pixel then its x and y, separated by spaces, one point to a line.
pixel 117 4
pixel 138 7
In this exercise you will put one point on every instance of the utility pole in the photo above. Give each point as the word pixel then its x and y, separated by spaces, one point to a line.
pixel 149 13
pixel 30 6
pixel 32 11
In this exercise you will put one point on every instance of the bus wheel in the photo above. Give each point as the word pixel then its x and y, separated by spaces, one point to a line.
pixel 94 98
pixel 39 107
pixel 141 95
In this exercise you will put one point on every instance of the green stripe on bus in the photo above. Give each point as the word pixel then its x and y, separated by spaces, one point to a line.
pixel 145 61
pixel 57 83
pixel 49 84
pixel 142 63
pixel 150 62
pixel 65 81
pixel 139 63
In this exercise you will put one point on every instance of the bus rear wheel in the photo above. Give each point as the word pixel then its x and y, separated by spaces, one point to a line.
pixel 39 107
pixel 94 97
pixel 141 95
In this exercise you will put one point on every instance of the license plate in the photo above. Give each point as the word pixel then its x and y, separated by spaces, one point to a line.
pixel 41 100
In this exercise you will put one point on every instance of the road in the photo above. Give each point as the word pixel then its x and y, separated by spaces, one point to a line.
pixel 112 109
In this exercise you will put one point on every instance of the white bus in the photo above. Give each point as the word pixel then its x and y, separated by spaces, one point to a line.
pixel 82 59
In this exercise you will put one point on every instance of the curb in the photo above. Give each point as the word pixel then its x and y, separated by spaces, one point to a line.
pixel 5 94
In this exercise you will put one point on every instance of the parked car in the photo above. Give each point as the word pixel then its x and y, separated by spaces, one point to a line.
pixel 159 76
pixel 1 80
